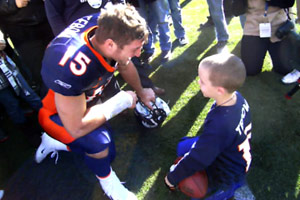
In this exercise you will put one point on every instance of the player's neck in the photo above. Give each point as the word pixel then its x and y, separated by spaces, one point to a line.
pixel 97 47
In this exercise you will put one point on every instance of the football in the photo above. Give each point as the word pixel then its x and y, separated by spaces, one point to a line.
pixel 194 186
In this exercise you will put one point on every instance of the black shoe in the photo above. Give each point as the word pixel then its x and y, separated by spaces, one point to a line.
pixel 207 24
pixel 222 47
pixel 146 57
pixel 146 66
pixel 158 91
pixel 165 56
pixel 139 64
pixel 183 41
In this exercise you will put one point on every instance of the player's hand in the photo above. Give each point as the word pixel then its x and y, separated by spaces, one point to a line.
pixel 147 96
pixel 169 185
pixel 22 3
pixel 134 98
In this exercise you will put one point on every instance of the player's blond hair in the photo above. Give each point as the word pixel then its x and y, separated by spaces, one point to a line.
pixel 225 70
pixel 122 24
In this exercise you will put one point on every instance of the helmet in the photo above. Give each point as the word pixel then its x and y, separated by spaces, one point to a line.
pixel 152 118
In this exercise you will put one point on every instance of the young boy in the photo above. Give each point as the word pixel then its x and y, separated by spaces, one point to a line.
pixel 223 148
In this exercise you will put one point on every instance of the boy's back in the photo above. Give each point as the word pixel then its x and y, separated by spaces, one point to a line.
pixel 227 130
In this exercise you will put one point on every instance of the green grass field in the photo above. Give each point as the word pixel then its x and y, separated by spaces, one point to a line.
pixel 144 156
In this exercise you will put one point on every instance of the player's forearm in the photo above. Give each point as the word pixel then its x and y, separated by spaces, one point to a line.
pixel 97 115
pixel 79 121
pixel 79 125
pixel 100 113
pixel 130 75
pixel 113 106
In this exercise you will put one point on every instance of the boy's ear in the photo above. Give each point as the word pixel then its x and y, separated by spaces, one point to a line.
pixel 221 90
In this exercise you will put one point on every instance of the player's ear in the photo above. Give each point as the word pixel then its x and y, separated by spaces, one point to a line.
pixel 110 45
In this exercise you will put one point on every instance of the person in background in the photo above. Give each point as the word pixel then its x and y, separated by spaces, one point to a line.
pixel 294 75
pixel 259 37
pixel 179 31
pixel 217 18
pixel 12 87
pixel 156 14
pixel 61 13
pixel 25 23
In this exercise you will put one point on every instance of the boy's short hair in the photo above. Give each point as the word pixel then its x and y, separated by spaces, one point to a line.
pixel 122 24
pixel 226 70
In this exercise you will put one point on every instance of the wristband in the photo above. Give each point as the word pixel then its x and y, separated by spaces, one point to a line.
pixel 116 104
